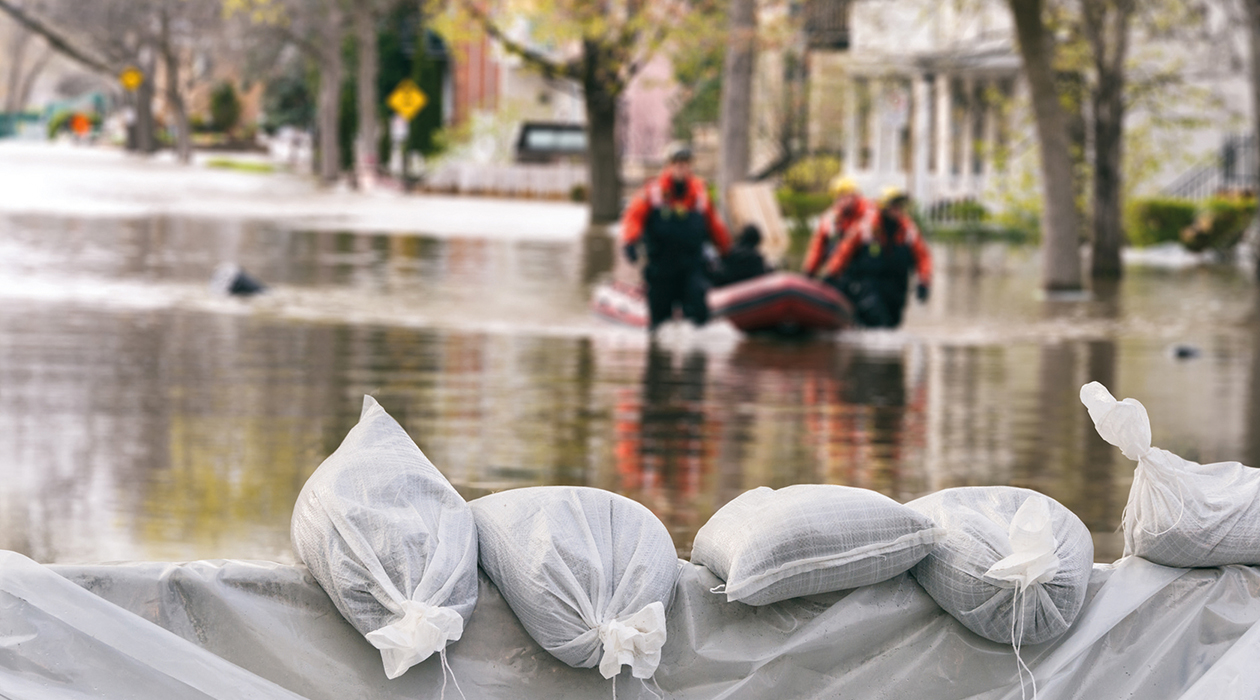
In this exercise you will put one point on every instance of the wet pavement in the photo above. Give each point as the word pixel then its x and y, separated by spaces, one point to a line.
pixel 144 416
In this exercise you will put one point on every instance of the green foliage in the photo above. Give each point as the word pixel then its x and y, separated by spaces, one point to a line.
pixel 244 166
pixel 812 174
pixel 1153 220
pixel 1220 223
pixel 699 71
pixel 60 122
pixel 225 107
pixel 289 100
pixel 800 209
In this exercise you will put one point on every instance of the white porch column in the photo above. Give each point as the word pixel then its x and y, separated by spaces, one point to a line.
pixel 851 145
pixel 920 124
pixel 968 136
pixel 944 136
pixel 879 143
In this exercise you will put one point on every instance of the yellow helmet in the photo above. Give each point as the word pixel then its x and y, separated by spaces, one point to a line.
pixel 891 194
pixel 841 184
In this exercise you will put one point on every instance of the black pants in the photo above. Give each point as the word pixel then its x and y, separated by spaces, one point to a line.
pixel 686 287
pixel 878 302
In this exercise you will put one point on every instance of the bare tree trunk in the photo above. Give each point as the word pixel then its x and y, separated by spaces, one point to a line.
pixel 1107 28
pixel 17 59
pixel 331 69
pixel 1253 22
pixel 170 63
pixel 145 138
pixel 1060 225
pixel 737 74
pixel 27 85
pixel 366 142
pixel 600 87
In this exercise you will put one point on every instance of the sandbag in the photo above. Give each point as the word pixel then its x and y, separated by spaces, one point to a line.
pixel 589 573
pixel 769 545
pixel 390 540
pixel 1180 513
pixel 1013 566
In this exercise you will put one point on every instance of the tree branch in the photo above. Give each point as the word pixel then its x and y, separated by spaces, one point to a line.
pixel 54 39
pixel 549 68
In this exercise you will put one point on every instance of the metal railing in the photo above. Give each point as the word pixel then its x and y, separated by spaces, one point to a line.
pixel 1231 169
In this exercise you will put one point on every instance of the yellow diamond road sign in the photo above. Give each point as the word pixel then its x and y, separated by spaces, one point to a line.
pixel 407 99
pixel 131 78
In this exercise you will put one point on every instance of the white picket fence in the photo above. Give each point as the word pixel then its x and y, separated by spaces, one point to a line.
pixel 515 180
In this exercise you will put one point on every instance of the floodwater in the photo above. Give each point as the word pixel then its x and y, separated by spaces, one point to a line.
pixel 142 416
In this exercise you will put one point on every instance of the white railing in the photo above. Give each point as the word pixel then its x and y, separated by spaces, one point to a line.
pixel 515 180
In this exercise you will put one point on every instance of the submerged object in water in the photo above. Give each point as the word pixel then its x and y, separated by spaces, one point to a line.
pixel 230 279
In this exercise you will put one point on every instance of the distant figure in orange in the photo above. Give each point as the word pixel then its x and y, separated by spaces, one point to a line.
pixel 80 124
pixel 674 219
pixel 849 213
pixel 872 267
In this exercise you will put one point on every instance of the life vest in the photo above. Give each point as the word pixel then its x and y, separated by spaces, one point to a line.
pixel 675 232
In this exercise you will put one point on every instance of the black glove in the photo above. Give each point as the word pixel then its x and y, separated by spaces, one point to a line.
pixel 922 292
pixel 632 253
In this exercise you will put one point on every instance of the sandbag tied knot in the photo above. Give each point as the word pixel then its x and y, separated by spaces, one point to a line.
pixel 422 630
pixel 635 640
pixel 1121 423
pixel 1033 558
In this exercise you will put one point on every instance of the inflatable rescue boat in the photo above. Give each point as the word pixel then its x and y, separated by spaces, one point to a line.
pixel 782 302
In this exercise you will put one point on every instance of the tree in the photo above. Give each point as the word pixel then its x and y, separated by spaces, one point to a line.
pixel 736 111
pixel 317 28
pixel 1253 34
pixel 1106 26
pixel 23 44
pixel 1061 266
pixel 605 43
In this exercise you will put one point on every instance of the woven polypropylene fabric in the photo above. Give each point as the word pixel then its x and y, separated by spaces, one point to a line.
pixel 568 559
pixel 377 524
pixel 1185 514
pixel 977 524
pixel 770 545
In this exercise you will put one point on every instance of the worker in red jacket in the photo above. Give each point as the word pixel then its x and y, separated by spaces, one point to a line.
pixel 673 219
pixel 849 213
pixel 872 268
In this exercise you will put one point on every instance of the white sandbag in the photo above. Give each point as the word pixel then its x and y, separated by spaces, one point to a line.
pixel 1180 513
pixel 769 545
pixel 1013 566
pixel 390 540
pixel 589 573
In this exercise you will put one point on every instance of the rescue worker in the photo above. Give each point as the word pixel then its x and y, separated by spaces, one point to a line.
pixel 745 261
pixel 674 219
pixel 849 212
pixel 872 267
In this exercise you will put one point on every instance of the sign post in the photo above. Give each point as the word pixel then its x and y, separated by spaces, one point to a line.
pixel 406 100
pixel 131 78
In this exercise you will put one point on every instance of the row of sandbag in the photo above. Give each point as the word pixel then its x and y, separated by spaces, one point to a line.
pixel 590 573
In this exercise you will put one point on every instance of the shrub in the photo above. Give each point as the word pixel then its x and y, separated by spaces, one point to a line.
pixel 1220 223
pixel 811 174
pixel 225 107
pixel 1154 220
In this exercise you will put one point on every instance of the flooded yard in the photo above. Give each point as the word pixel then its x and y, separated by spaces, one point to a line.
pixel 143 416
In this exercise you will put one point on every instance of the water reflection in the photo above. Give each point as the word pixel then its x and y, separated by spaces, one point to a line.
pixel 142 417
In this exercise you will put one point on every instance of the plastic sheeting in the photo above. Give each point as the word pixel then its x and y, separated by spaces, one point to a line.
pixel 236 629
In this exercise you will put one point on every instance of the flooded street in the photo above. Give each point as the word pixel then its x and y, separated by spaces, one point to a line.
pixel 143 416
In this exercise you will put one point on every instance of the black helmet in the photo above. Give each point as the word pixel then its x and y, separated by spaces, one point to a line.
pixel 679 153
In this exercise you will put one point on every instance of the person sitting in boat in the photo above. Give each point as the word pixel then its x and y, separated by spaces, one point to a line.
pixel 850 212
pixel 745 261
pixel 872 267
pixel 674 219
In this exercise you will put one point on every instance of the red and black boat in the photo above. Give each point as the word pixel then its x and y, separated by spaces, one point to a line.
pixel 781 302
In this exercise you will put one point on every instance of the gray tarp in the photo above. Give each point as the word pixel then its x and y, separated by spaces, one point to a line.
pixel 239 629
